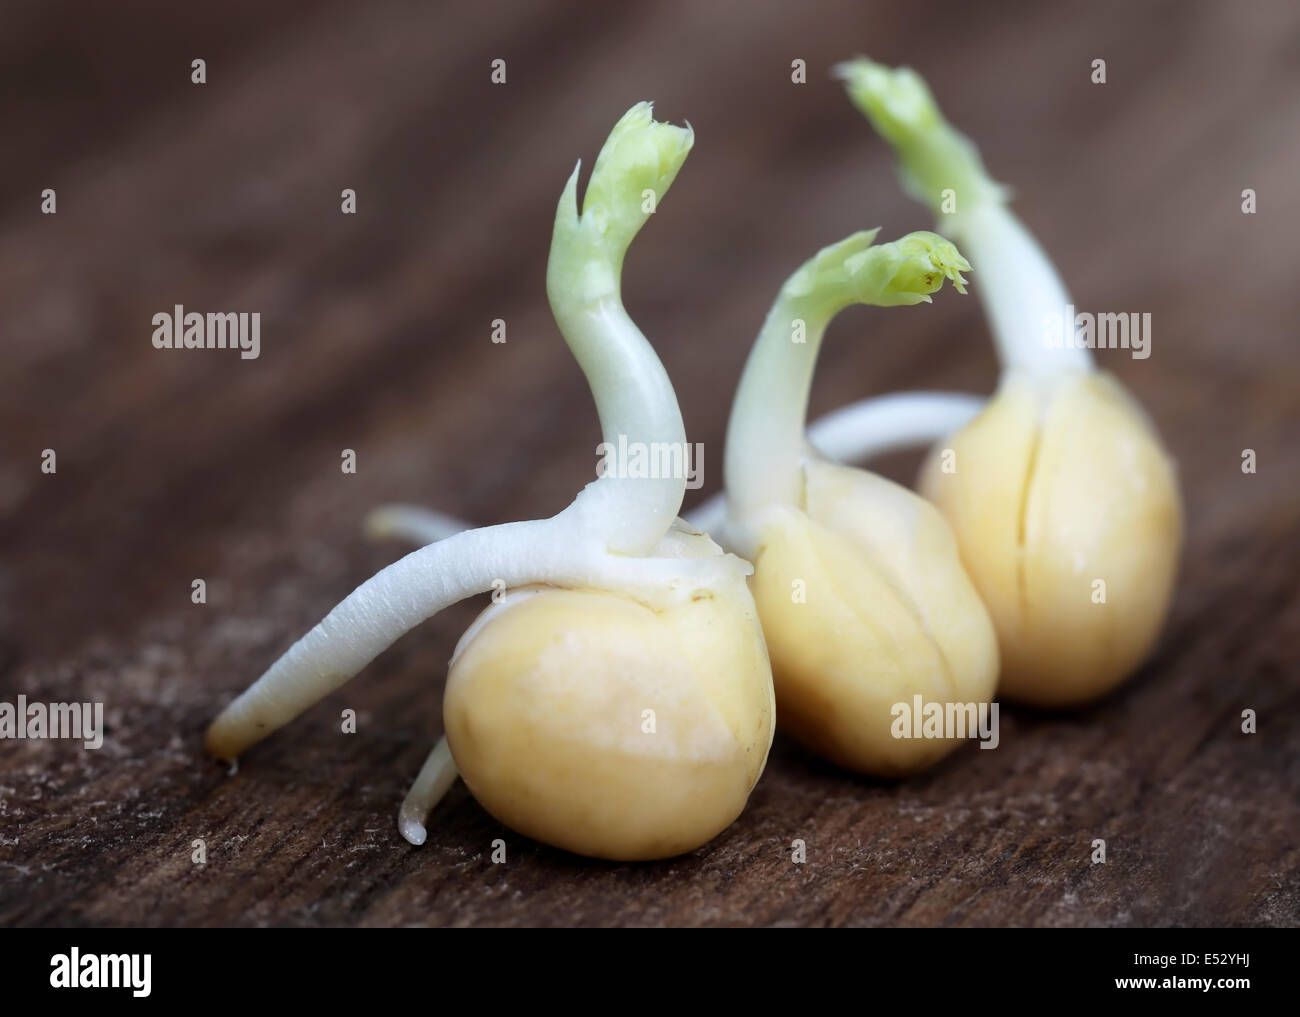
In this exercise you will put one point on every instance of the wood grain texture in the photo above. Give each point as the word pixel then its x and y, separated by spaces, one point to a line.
pixel 176 465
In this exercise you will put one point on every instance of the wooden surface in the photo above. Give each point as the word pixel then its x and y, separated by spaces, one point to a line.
pixel 375 337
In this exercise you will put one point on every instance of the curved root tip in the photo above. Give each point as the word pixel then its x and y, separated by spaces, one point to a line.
pixel 419 526
pixel 378 525
pixel 411 828
pixel 218 745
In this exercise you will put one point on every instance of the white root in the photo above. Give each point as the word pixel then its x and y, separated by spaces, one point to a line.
pixel 375 615
pixel 416 525
pixel 891 423
pixel 434 780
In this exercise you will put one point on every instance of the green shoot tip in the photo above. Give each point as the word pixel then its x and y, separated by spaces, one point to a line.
pixel 940 166
pixel 857 271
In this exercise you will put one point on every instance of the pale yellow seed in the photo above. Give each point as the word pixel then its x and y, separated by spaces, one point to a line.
pixel 887 612
pixel 546 716
pixel 1059 486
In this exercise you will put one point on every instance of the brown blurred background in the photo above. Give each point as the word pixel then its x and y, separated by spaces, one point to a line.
pixel 376 337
